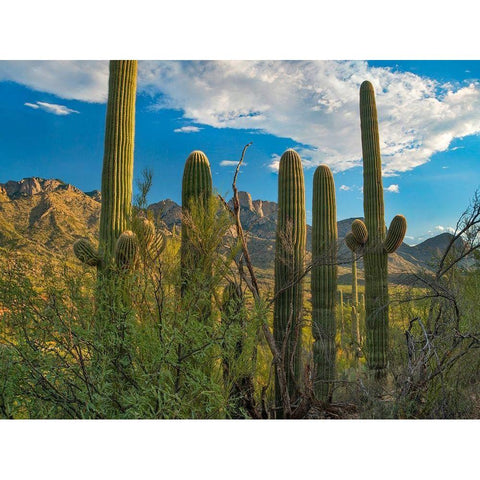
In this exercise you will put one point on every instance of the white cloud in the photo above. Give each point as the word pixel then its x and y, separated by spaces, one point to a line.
pixel 346 188
pixel 440 228
pixel 51 108
pixel 231 163
pixel 274 164
pixel 72 80
pixel 315 103
pixel 393 188
pixel 187 129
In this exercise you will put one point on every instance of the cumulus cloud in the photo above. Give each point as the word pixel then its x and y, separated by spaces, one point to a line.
pixel 346 188
pixel 441 228
pixel 393 188
pixel 231 163
pixel 274 164
pixel 187 129
pixel 73 80
pixel 51 108
pixel 315 103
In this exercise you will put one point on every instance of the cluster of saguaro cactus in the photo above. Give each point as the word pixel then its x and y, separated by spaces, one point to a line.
pixel 324 280
pixel 371 239
pixel 289 264
pixel 123 239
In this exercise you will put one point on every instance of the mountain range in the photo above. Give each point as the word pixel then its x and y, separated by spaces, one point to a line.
pixel 43 217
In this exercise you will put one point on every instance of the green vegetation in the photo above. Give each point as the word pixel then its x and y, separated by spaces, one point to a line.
pixel 187 326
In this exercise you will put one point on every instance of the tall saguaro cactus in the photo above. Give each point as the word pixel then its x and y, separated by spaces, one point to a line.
pixel 117 173
pixel 289 264
pixel 324 280
pixel 371 237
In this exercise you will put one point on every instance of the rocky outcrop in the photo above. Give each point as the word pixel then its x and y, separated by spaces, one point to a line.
pixel 33 186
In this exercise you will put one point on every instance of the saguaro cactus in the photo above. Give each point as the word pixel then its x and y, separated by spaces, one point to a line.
pixel 117 173
pixel 289 264
pixel 196 193
pixel 370 237
pixel 324 280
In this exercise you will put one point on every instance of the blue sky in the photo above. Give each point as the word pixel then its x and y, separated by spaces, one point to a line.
pixel 52 117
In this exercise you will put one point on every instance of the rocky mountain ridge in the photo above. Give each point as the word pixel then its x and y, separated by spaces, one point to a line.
pixel 45 216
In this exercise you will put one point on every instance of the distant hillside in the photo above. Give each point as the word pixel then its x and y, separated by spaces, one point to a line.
pixel 44 217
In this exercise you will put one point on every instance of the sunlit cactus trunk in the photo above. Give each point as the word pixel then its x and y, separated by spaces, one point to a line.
pixel 117 173
pixel 324 281
pixel 289 266
pixel 196 195
pixel 371 237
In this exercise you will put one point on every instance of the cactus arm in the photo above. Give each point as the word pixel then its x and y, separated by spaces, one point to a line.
pixel 352 243
pixel 86 253
pixel 359 231
pixel 126 251
pixel 396 233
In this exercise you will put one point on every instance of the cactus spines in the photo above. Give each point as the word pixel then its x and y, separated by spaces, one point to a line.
pixel 289 264
pixel 376 249
pixel 117 173
pixel 86 253
pixel 126 250
pixel 324 280
pixel 396 233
